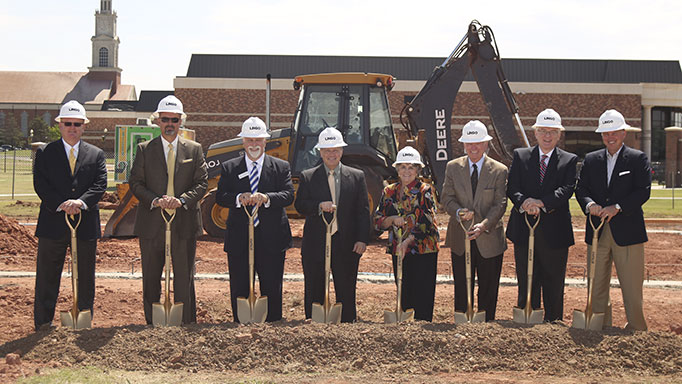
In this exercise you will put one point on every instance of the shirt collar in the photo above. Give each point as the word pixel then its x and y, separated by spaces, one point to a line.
pixel 259 161
pixel 337 170
pixel 549 154
pixel 479 163
pixel 615 155
pixel 67 147
pixel 174 142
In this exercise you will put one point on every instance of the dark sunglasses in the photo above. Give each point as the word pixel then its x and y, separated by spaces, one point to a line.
pixel 68 124
pixel 171 119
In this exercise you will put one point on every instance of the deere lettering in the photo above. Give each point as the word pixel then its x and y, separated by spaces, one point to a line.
pixel 441 136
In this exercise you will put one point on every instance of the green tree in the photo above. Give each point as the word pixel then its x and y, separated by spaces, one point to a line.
pixel 53 133
pixel 12 133
pixel 39 128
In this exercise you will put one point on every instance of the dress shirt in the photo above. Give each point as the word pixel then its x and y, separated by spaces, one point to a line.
pixel 76 147
pixel 249 166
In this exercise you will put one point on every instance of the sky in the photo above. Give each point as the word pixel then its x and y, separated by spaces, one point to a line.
pixel 159 37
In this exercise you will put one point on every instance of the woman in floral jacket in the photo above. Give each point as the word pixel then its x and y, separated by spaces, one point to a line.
pixel 410 204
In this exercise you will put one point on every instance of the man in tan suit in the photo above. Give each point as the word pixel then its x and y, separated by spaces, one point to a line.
pixel 474 188
pixel 169 172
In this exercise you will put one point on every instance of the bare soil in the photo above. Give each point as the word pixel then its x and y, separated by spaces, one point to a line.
pixel 294 350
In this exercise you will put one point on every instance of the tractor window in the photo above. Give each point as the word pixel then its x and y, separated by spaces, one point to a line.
pixel 353 132
pixel 321 110
pixel 380 127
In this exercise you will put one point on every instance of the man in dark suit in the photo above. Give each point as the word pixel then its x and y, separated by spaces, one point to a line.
pixel 541 181
pixel 475 187
pixel 350 235
pixel 69 176
pixel 256 179
pixel 169 172
pixel 614 184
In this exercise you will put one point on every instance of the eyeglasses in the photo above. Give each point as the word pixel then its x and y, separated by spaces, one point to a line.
pixel 548 132
pixel 171 119
pixel 68 124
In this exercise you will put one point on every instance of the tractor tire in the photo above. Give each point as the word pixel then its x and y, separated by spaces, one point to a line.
pixel 213 216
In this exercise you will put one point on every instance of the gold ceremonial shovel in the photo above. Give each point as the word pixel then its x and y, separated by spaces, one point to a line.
pixel 588 319
pixel 251 309
pixel 167 313
pixel 528 315
pixel 74 318
pixel 399 315
pixel 469 316
pixel 327 313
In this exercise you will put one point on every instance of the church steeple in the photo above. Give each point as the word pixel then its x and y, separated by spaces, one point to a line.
pixel 105 42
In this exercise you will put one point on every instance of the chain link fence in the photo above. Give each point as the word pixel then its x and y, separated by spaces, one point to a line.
pixel 16 174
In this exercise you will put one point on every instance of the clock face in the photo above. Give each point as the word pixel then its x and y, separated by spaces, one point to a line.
pixel 105 26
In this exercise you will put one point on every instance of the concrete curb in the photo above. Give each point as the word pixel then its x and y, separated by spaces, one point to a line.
pixel 363 277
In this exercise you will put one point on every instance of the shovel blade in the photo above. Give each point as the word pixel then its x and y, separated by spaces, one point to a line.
pixel 243 310
pixel 82 320
pixel 318 314
pixel 479 317
pixel 167 318
pixel 461 318
pixel 260 310
pixel 581 320
pixel 407 315
pixel 536 316
pixel 332 315
pixel 391 317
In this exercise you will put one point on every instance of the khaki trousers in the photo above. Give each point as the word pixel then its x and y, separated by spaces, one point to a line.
pixel 629 262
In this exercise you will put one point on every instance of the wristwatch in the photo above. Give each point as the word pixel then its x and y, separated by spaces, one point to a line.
pixel 182 201
pixel 619 208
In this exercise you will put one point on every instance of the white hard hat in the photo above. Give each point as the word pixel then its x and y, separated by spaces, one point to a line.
pixel 170 104
pixel 254 128
pixel 330 137
pixel 474 132
pixel 408 155
pixel 548 118
pixel 72 110
pixel 610 121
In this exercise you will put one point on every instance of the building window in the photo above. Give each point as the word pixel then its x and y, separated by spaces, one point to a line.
pixel 103 57
pixel 24 123
pixel 2 120
pixel 47 118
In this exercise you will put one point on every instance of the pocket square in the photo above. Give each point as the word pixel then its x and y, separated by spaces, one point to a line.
pixel 187 161
pixel 623 173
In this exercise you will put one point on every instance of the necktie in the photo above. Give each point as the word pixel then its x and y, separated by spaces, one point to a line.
pixel 543 167
pixel 72 160
pixel 474 179
pixel 170 164
pixel 332 189
pixel 253 180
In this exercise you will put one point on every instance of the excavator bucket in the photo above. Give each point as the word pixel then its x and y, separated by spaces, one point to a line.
pixel 122 222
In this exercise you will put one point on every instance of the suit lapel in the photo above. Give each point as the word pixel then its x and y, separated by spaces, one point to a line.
pixel 82 152
pixel 180 154
pixel 465 175
pixel 243 183
pixel 345 184
pixel 618 167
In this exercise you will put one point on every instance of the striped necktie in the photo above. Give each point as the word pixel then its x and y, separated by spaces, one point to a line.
pixel 543 167
pixel 253 180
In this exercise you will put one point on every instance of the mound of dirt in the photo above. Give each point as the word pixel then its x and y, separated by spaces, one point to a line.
pixel 370 348
pixel 16 240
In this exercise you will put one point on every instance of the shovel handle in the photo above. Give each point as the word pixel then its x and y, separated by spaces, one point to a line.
pixel 593 258
pixel 467 261
pixel 251 212
pixel 168 217
pixel 531 260
pixel 74 260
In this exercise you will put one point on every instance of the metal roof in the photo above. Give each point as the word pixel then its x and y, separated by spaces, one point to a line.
pixel 419 68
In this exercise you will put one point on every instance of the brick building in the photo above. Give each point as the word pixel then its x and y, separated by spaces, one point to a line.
pixel 220 91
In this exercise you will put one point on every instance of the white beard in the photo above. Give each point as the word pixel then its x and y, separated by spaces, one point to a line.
pixel 254 152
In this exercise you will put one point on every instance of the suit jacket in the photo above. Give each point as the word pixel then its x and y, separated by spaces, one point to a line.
pixel 555 192
pixel 489 205
pixel 275 182
pixel 54 184
pixel 630 187
pixel 149 179
pixel 352 213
